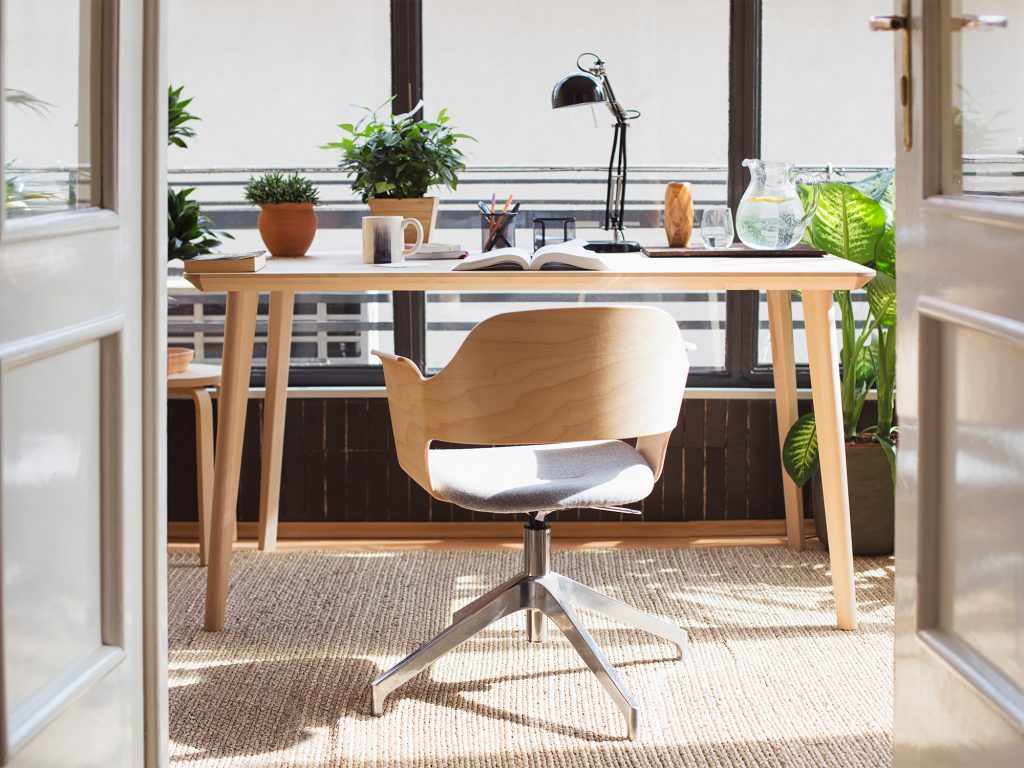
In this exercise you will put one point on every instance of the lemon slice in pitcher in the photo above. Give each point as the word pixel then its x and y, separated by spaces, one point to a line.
pixel 769 199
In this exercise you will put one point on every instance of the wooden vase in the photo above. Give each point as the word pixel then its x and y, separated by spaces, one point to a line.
pixel 287 229
pixel 423 209
pixel 678 214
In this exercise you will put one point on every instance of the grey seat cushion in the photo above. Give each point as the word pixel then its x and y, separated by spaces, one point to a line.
pixel 532 478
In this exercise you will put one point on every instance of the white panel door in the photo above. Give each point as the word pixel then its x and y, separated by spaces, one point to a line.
pixel 75 363
pixel 959 511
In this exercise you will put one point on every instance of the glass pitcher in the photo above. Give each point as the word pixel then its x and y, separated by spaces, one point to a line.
pixel 770 215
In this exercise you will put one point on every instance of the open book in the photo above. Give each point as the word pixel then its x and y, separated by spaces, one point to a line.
pixel 567 255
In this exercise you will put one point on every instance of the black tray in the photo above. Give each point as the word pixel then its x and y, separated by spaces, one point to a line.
pixel 737 250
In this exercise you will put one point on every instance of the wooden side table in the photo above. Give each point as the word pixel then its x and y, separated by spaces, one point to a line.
pixel 194 385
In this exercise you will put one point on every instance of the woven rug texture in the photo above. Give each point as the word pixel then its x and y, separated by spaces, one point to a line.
pixel 769 680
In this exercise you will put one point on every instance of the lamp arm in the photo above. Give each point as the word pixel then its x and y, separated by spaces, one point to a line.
pixel 620 112
pixel 615 197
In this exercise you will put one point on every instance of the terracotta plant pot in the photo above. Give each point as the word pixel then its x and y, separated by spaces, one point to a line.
pixel 287 229
pixel 178 359
pixel 872 506
pixel 423 209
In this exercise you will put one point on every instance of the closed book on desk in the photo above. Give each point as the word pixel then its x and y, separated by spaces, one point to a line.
pixel 253 261
pixel 568 255
pixel 431 251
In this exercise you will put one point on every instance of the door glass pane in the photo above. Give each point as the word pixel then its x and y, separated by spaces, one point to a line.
pixel 668 60
pixel 50 113
pixel 987 44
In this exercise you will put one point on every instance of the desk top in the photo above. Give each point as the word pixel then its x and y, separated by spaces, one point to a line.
pixel 345 272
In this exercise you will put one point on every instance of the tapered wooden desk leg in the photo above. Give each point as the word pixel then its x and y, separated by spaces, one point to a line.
pixel 780 323
pixel 204 466
pixel 239 331
pixel 279 342
pixel 823 356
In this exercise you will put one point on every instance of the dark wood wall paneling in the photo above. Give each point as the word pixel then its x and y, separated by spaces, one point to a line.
pixel 340 466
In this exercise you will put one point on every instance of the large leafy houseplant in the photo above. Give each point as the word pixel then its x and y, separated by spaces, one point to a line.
pixel 399 156
pixel 394 162
pixel 855 222
pixel 188 228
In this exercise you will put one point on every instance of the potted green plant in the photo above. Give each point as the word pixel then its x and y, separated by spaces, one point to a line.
pixel 395 161
pixel 287 221
pixel 855 222
pixel 188 228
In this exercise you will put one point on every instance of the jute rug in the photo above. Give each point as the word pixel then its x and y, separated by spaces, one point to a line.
pixel 769 681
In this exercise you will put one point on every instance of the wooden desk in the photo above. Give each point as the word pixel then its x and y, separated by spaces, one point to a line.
pixel 815 277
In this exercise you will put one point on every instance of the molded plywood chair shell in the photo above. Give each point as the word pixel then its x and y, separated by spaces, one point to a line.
pixel 545 376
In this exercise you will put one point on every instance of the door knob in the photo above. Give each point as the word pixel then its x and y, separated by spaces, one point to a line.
pixel 887 23
pixel 973 21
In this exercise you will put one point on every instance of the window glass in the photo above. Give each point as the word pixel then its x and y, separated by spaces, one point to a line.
pixel 270 85
pixel 496 84
pixel 50 111
pixel 826 106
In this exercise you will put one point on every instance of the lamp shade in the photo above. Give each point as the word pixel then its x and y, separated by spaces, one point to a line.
pixel 576 89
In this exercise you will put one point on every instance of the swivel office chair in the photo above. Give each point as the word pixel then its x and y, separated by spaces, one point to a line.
pixel 552 392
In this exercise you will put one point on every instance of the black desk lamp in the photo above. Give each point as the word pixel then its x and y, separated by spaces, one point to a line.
pixel 591 86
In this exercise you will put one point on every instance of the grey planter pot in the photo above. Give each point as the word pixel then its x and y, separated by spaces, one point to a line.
pixel 872 507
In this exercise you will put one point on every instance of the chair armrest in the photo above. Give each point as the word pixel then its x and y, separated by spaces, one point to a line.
pixel 405 388
pixel 653 449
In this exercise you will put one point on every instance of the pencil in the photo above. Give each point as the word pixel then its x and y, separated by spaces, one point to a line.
pixel 496 225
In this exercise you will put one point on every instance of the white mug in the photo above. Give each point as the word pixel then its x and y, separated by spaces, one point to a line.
pixel 384 241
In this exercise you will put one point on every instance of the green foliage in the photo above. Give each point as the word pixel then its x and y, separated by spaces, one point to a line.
pixel 847 223
pixel 188 228
pixel 877 185
pixel 882 299
pixel 855 222
pixel 400 156
pixel 275 188
pixel 177 117
pixel 800 451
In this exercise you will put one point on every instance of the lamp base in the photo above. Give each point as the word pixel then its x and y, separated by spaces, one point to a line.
pixel 613 246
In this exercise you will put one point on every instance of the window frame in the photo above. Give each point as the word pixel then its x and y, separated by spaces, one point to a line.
pixel 741 325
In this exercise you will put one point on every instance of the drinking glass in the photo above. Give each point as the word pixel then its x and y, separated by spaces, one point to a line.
pixel 716 227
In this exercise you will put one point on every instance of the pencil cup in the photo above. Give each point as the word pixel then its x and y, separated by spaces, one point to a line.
pixel 497 230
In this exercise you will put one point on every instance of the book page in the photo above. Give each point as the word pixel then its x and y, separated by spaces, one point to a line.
pixel 499 258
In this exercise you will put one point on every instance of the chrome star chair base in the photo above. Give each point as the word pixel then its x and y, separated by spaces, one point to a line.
pixel 540 592
pixel 550 396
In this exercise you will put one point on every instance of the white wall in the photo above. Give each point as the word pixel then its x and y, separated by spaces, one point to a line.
pixel 827 83
pixel 272 79
pixel 495 71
